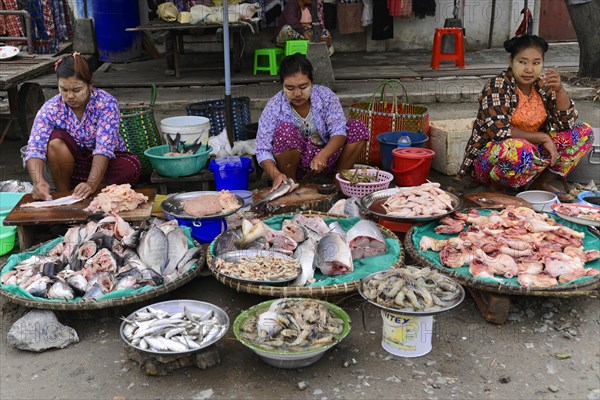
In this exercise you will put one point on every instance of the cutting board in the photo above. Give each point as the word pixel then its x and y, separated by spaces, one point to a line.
pixel 73 213
pixel 496 200
pixel 306 197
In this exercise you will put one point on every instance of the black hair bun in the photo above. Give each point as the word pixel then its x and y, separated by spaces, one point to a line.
pixel 509 44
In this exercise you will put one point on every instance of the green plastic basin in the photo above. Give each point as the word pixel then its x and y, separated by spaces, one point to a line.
pixel 7 202
pixel 7 237
pixel 176 166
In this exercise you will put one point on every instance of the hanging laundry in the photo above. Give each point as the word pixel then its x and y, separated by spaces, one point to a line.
pixel 400 8
pixel 349 18
pixel 383 22
pixel 367 15
pixel 424 8
pixel 10 25
pixel 51 23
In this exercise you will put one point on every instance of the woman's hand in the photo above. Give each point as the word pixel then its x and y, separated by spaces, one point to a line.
pixel 552 80
pixel 83 190
pixel 278 180
pixel 549 145
pixel 41 191
pixel 319 162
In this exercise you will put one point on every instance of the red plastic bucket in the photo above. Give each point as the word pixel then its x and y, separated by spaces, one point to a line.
pixel 411 165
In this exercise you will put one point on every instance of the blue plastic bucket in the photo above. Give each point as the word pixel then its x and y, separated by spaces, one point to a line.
pixel 232 177
pixel 111 18
pixel 388 141
pixel 204 231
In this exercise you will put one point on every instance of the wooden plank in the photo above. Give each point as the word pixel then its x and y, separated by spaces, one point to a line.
pixel 156 26
pixel 71 214
pixel 22 69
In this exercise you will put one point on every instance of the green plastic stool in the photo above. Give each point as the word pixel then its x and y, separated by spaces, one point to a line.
pixel 274 56
pixel 296 46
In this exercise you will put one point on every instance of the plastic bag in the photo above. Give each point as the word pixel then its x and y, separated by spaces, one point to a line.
pixel 220 145
pixel 16 186
pixel 167 12
pixel 244 147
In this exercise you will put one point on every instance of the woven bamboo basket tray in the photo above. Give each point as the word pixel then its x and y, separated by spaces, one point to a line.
pixel 299 291
pixel 588 288
pixel 108 303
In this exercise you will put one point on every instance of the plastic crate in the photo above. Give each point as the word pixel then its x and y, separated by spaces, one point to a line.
pixel 214 110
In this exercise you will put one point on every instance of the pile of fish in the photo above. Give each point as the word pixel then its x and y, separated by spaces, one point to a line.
pixel 116 199
pixel 516 242
pixel 293 325
pixel 346 207
pixel 175 150
pixel 418 201
pixel 211 204
pixel 360 175
pixel 311 241
pixel 105 256
pixel 282 190
pixel 259 268
pixel 157 330
pixel 412 289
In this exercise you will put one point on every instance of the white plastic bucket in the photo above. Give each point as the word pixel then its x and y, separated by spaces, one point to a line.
pixel 190 127
pixel 406 335
pixel 540 200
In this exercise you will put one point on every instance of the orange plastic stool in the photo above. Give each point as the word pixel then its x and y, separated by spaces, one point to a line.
pixel 459 50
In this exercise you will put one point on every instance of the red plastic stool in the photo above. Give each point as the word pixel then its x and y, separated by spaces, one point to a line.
pixel 459 51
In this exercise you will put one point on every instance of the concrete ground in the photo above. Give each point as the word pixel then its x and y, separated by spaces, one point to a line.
pixel 548 349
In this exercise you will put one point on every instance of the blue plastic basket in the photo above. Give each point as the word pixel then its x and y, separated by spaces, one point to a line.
pixel 214 110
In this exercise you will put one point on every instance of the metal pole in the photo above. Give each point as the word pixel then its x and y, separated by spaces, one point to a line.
pixel 228 108
pixel 492 24
pixel 314 12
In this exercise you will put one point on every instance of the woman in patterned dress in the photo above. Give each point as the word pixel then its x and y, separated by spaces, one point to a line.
pixel 525 131
pixel 303 127
pixel 77 134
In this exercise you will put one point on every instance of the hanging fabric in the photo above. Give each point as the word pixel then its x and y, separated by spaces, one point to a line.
pixel 51 23
pixel 400 8
pixel 10 25
pixel 349 13
pixel 330 14
pixel 367 15
pixel 526 26
pixel 424 8
pixel 383 22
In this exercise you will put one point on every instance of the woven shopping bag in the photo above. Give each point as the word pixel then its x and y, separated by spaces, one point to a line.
pixel 139 131
pixel 388 115
pixel 214 110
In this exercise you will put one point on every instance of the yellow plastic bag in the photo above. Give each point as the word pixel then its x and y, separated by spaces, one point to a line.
pixel 167 12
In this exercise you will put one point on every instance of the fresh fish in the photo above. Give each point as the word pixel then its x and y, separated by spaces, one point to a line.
pixel 153 249
pixel 94 292
pixel 39 286
pixel 177 247
pixel 294 230
pixel 351 208
pixel 365 240
pixel 87 250
pixel 102 240
pixel 315 224
pixel 337 228
pixel 60 290
pixel 151 277
pixel 191 253
pixel 132 239
pixel 63 201
pixel 333 256
pixel 78 283
pixel 281 191
pixel 305 253
pixel 284 243
pixel 127 282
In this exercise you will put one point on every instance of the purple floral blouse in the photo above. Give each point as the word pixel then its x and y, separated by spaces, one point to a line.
pixel 325 107
pixel 98 130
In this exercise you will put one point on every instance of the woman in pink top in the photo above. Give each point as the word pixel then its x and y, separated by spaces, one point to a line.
pixel 295 23
pixel 77 134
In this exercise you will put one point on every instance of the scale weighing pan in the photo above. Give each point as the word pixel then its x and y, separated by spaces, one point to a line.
pixel 577 219
pixel 173 206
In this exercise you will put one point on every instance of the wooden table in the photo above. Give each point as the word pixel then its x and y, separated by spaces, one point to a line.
pixel 24 102
pixel 27 218
pixel 174 42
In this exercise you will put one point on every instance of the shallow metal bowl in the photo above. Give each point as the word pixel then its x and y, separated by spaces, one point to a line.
pixel 410 312
pixel 173 206
pixel 175 306
pixel 286 359
pixel 371 203
pixel 234 256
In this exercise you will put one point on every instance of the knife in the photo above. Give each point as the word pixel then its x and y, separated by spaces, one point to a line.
pixel 310 174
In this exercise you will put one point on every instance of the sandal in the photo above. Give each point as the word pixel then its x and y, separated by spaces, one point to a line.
pixel 564 197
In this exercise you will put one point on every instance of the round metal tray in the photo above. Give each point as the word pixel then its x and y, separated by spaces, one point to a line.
pixel 234 256
pixel 371 203
pixel 410 312
pixel 175 306
pixel 173 206
pixel 577 220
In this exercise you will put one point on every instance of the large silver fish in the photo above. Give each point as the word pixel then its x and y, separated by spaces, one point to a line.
pixel 153 249
pixel 305 254
pixel 281 191
pixel 365 240
pixel 333 255
pixel 178 246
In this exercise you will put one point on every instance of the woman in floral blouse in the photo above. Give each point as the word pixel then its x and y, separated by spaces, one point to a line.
pixel 303 127
pixel 77 134
pixel 525 131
